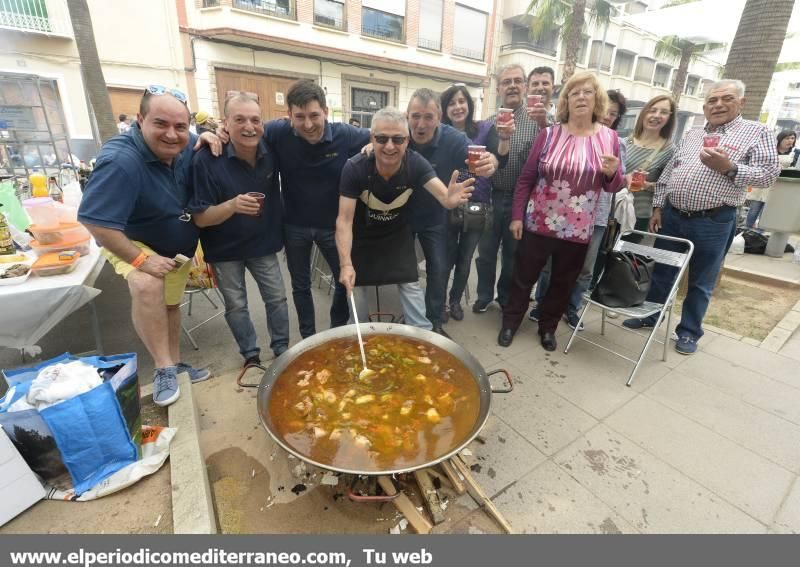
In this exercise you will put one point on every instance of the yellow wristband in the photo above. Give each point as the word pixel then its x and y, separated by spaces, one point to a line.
pixel 139 260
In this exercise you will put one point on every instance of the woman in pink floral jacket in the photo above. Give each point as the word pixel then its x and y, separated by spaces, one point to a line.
pixel 554 203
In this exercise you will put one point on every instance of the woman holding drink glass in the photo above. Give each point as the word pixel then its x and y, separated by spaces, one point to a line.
pixel 649 150
pixel 468 221
pixel 555 198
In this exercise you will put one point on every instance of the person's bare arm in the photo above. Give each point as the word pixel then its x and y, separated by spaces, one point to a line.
pixel 121 246
pixel 344 242
pixel 454 194
pixel 218 214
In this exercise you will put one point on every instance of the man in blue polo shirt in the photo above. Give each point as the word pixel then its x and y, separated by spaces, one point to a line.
pixel 135 207
pixel 241 230
pixel 311 155
pixel 445 148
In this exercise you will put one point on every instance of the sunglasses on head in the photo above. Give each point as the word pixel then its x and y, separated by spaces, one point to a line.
pixel 158 90
pixel 396 140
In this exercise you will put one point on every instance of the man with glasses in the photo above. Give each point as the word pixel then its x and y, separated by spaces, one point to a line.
pixel 237 204
pixel 511 88
pixel 445 148
pixel 135 206
pixel 311 154
pixel 696 198
pixel 373 234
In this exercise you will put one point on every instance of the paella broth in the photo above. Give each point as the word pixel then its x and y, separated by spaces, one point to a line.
pixel 419 403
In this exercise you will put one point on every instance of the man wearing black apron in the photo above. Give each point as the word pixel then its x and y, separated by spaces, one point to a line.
pixel 373 234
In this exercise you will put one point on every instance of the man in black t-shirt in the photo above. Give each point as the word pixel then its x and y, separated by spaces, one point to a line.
pixel 373 233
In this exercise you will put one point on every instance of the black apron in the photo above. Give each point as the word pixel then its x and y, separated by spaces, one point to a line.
pixel 387 259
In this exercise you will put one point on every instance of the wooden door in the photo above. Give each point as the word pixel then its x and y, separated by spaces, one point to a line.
pixel 271 90
pixel 125 101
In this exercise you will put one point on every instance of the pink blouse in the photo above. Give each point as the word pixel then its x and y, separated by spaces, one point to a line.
pixel 560 184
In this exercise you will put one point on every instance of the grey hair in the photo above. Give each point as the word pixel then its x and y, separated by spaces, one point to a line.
pixel 503 68
pixel 389 114
pixel 238 97
pixel 425 96
pixel 736 83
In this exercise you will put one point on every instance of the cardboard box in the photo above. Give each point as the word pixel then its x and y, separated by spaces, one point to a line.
pixel 19 487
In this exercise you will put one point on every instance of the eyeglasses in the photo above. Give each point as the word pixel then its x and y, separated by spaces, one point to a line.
pixel 158 90
pixel 514 81
pixel 384 139
pixel 585 92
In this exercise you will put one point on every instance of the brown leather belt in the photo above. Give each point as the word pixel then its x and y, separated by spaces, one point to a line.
pixel 702 213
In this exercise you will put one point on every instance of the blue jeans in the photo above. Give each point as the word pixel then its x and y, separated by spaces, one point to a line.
pixel 584 279
pixel 712 236
pixel 298 241
pixel 433 240
pixel 460 249
pixel 412 299
pixel 266 270
pixel 488 247
pixel 755 211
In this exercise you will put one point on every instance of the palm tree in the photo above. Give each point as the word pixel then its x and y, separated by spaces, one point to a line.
pixel 676 49
pixel 92 73
pixel 756 48
pixel 569 16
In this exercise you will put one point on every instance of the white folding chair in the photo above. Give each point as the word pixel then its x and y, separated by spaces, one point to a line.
pixel 201 280
pixel 679 260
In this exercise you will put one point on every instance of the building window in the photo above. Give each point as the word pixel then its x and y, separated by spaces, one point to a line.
pixel 469 32
pixel 661 78
pixel 692 82
pixel 430 24
pixel 26 15
pixel 546 43
pixel 329 13
pixel 383 25
pixel 279 8
pixel 644 69
pixel 210 3
pixel 596 59
pixel 623 64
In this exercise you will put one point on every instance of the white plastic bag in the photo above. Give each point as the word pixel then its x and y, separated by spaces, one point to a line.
pixel 737 246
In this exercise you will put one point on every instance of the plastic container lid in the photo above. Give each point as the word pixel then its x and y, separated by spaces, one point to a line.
pixel 60 227
pixel 81 239
pixel 52 260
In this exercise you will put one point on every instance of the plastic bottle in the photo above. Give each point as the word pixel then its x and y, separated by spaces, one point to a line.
pixel 72 194
pixel 38 183
pixel 12 207
pixel 737 246
pixel 53 190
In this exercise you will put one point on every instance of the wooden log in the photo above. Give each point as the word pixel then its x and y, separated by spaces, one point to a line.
pixel 406 507
pixel 430 495
pixel 479 495
pixel 453 477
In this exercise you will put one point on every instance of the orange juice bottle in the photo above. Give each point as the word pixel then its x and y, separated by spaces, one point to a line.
pixel 38 184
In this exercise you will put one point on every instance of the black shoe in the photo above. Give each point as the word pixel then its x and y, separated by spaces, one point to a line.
pixel 252 361
pixel 438 330
pixel 549 341
pixel 480 306
pixel 456 312
pixel 505 337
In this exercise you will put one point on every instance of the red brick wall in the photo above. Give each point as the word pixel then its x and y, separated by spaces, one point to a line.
pixel 305 11
pixel 447 26
pixel 412 22
pixel 354 16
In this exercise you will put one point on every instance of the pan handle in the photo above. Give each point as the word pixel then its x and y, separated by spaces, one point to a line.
pixel 509 381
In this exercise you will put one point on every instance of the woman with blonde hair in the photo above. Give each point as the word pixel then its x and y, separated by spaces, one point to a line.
pixel 649 150
pixel 553 210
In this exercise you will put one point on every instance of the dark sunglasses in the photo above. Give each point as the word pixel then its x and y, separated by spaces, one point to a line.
pixel 396 140
pixel 158 90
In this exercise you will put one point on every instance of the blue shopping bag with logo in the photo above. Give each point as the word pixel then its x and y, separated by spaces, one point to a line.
pixel 80 441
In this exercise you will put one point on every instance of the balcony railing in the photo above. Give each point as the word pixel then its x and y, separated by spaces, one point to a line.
pixel 468 53
pixel 528 46
pixel 432 44
pixel 38 16
pixel 210 3
pixel 381 32
pixel 323 20
pixel 284 9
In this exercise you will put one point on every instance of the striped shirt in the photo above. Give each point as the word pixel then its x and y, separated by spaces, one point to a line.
pixel 693 186
pixel 640 157
pixel 520 144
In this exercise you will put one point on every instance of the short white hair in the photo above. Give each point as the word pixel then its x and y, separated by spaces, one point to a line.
pixel 736 83
pixel 389 114
pixel 509 67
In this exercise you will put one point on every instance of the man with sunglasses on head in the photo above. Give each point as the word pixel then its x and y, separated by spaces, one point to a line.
pixel 135 206
pixel 373 231
pixel 237 204
pixel 445 148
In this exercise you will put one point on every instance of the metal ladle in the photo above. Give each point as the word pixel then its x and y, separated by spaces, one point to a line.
pixel 365 372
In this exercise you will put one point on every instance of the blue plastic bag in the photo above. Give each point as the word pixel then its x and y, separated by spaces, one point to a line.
pixel 88 437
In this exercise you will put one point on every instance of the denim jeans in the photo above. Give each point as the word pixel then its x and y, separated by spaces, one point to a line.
pixel 266 270
pixel 490 242
pixel 433 240
pixel 755 211
pixel 460 249
pixel 298 242
pixel 412 299
pixel 584 279
pixel 712 236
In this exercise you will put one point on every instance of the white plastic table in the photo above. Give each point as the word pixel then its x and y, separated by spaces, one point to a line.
pixel 30 310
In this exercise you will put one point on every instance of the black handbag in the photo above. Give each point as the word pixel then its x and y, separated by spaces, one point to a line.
pixel 471 216
pixel 625 281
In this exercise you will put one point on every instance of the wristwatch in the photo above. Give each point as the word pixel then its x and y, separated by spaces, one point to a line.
pixel 731 173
